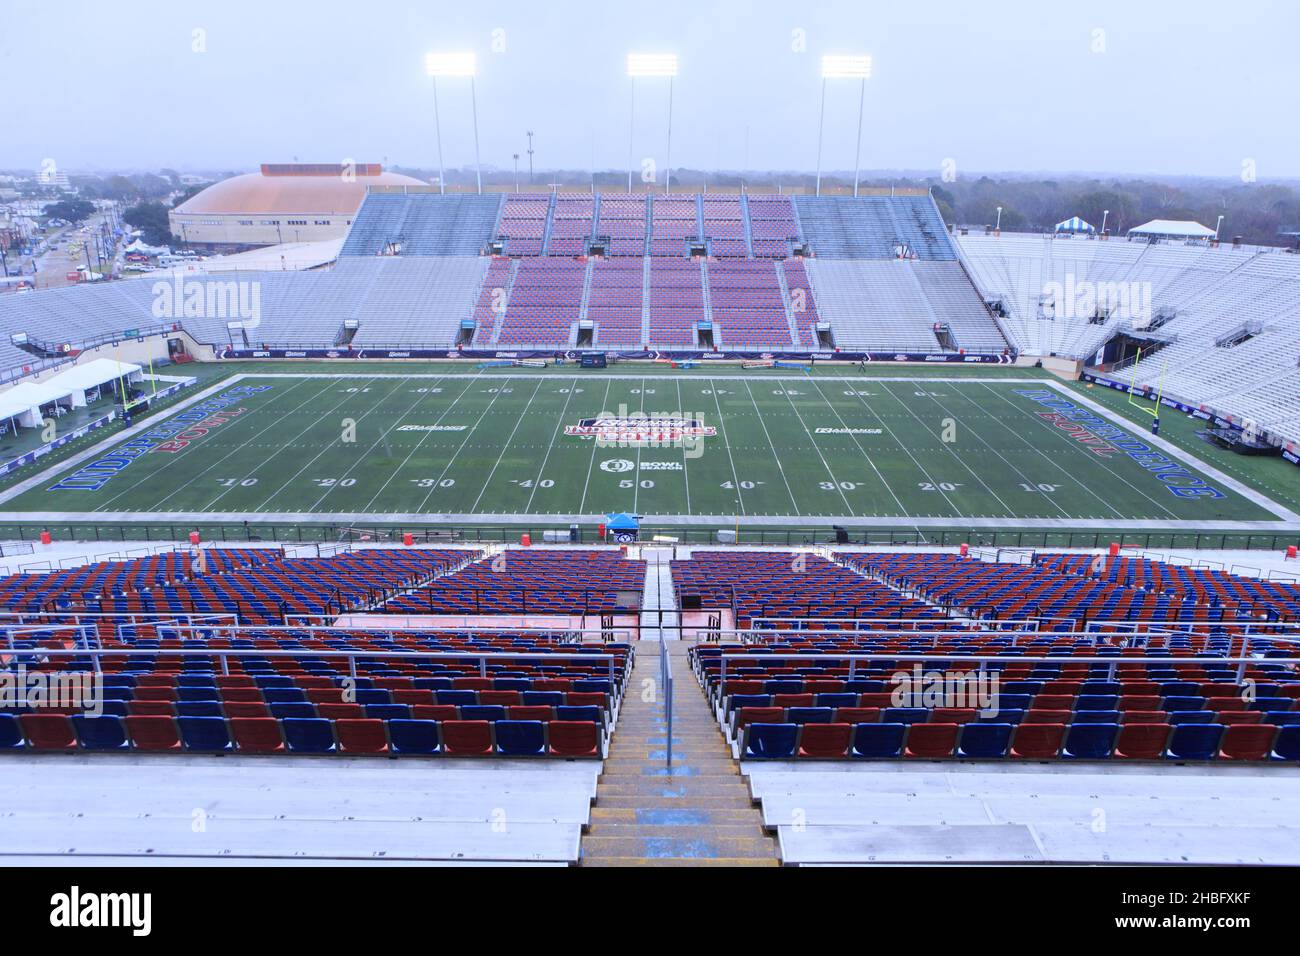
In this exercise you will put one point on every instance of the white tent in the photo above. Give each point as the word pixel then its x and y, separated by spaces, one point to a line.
pixel 24 401
pixel 1074 224
pixel 1172 229
pixel 81 379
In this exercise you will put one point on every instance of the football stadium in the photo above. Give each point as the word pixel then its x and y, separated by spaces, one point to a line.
pixel 742 524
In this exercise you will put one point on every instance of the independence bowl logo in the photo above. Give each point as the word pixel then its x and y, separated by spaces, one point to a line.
pixel 632 430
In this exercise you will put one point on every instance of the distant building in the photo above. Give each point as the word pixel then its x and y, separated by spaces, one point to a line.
pixel 290 202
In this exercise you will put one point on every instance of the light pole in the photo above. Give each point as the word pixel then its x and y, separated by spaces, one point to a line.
pixel 530 157
pixel 453 64
pixel 1217 226
pixel 842 67
pixel 998 227
pixel 1105 213
pixel 650 64
pixel 516 158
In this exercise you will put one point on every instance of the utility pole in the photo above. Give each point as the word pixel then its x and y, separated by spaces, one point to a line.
pixel 530 157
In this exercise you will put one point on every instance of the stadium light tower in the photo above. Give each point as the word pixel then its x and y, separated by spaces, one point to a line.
pixel 453 64
pixel 650 64
pixel 1217 226
pixel 836 68
pixel 1105 213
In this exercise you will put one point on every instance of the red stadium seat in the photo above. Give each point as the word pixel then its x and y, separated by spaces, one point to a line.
pixel 1247 742
pixel 1037 741
pixel 365 736
pixel 573 738
pixel 825 740
pixel 153 733
pixel 1142 741
pixel 931 740
pixel 49 731
pixel 257 735
pixel 466 738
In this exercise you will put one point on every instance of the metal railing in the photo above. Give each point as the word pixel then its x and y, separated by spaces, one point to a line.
pixel 224 655
pixel 666 679
pixel 309 532
pixel 981 659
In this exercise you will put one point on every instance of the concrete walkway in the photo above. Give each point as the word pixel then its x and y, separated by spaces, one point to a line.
pixel 699 812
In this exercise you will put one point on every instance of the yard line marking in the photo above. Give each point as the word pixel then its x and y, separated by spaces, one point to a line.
pixel 506 447
pixel 326 447
pixel 686 476
pixel 735 477
pixel 775 456
pixel 423 437
pixel 595 446
pixel 382 437
pixel 238 448
pixel 944 408
pixel 1061 468
pixel 573 387
pixel 636 475
pixel 840 418
pixel 1011 513
pixel 956 511
pixel 497 393
pixel 835 481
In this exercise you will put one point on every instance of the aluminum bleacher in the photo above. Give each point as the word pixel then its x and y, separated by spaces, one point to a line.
pixel 1201 294
pixel 874 227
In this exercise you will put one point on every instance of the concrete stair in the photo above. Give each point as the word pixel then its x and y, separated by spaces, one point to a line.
pixel 696 813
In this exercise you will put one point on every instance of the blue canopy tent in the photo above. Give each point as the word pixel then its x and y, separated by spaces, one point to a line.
pixel 1074 224
pixel 622 527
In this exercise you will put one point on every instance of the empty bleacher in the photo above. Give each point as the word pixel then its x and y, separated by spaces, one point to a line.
pixel 422 224
pixel 874 227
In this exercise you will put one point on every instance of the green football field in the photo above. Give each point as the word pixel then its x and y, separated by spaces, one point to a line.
pixel 466 444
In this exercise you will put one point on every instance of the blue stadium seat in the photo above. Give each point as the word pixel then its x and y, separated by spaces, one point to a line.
pixel 904 715
pixel 460 698
pixel 770 740
pixel 388 711
pixel 536 698
pixel 1090 741
pixel 828 700
pixel 311 735
pixel 373 695
pixel 521 738
pixel 1106 702
pixel 1194 742
pixel 101 733
pixel 878 740
pixel 590 713
pixel 196 693
pixel 1097 717
pixel 299 710
pixel 198 708
pixel 413 736
pixel 985 740
pixel 205 734
pixel 1193 717
pixel 809 715
pixel 1287 744
pixel 747 700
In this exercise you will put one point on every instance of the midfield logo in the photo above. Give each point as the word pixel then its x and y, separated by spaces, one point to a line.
pixel 641 429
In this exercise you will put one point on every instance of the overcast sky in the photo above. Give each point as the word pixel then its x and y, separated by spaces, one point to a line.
pixel 1137 86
